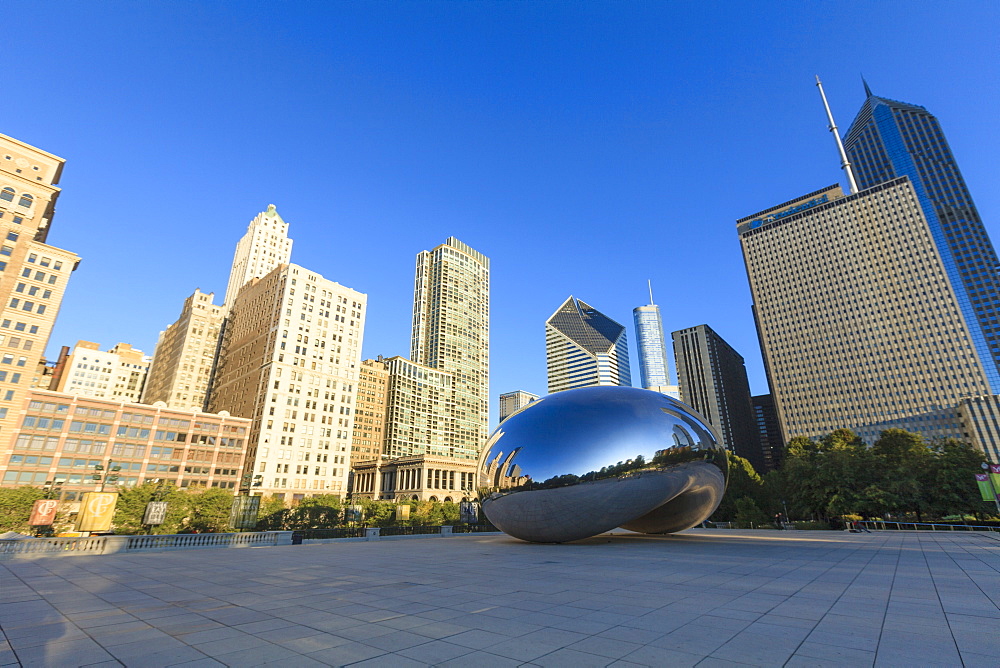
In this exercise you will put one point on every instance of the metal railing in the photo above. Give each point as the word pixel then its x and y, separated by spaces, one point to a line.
pixel 881 525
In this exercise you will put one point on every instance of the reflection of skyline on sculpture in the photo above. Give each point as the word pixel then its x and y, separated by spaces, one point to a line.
pixel 663 462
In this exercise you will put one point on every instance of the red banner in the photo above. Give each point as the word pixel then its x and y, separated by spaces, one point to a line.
pixel 43 513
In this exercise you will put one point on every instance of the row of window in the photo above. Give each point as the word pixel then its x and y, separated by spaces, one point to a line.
pixel 8 194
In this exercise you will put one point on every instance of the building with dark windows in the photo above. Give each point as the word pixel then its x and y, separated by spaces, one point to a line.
pixel 713 381
pixel 584 347
pixel 889 139
pixel 885 321
pixel 772 446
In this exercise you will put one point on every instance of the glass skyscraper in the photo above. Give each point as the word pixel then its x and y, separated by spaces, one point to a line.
pixel 653 370
pixel 889 139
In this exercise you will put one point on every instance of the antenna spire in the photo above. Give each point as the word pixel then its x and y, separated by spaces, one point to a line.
pixel 868 91
pixel 650 282
pixel 844 162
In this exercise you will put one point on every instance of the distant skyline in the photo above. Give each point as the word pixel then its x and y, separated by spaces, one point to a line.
pixel 583 147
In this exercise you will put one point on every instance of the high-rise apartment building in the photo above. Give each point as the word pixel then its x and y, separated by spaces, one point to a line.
pixel 289 361
pixel 264 246
pixel 511 402
pixel 889 139
pixel 860 324
pixel 370 411
pixel 584 347
pixel 182 363
pixel 713 381
pixel 35 274
pixel 419 412
pixel 119 373
pixel 451 334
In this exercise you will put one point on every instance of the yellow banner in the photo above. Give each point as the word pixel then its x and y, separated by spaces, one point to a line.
pixel 96 511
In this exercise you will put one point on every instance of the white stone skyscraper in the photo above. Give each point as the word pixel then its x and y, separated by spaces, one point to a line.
pixel 264 246
pixel 451 333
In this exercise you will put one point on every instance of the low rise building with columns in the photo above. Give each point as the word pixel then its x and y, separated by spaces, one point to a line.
pixel 416 478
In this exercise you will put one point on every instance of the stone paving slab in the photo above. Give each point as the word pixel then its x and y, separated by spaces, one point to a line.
pixel 700 598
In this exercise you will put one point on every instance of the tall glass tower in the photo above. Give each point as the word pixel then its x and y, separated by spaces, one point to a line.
pixel 889 139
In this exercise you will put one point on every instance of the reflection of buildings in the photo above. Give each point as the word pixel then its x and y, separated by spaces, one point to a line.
pixel 182 364
pixel 119 373
pixel 35 273
pixel 511 402
pixel 289 360
pixel 584 347
pixel 654 367
pixel 714 382
pixel 419 478
pixel 64 436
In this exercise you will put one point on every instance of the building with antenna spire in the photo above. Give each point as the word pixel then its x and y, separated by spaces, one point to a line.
pixel 861 303
pixel 654 366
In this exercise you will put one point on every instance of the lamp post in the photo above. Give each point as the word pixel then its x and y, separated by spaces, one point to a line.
pixel 104 475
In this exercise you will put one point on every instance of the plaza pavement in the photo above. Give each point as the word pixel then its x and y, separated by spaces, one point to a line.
pixel 703 597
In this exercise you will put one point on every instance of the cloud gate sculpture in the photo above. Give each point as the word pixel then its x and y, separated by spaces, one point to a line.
pixel 581 462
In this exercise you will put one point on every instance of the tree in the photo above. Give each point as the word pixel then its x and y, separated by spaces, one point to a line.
pixel 15 507
pixel 748 515
pixel 209 510
pixel 952 489
pixel 901 458
pixel 131 508
pixel 744 482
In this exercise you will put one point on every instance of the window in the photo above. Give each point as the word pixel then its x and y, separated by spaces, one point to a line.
pixel 7 194
pixel 26 200
pixel 6 250
pixel 12 236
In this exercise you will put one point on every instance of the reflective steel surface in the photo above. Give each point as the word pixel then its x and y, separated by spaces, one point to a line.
pixel 581 462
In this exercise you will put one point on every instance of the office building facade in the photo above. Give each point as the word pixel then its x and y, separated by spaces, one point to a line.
pixel 889 139
pixel 858 321
pixel 289 362
pixel 713 381
pixel 769 431
pixel 370 412
pixel 35 274
pixel 584 347
pixel 63 437
pixel 181 370
pixel 511 402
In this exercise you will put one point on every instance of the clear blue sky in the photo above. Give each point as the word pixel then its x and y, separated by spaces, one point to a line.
pixel 583 146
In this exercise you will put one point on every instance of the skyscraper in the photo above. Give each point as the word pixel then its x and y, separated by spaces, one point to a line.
pixel 289 361
pixel 888 322
pixel 35 274
pixel 858 323
pixel 654 367
pixel 584 347
pixel 889 139
pixel 451 334
pixel 713 381
pixel 182 363
pixel 511 402
pixel 264 246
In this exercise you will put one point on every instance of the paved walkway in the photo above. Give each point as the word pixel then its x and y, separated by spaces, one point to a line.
pixel 706 598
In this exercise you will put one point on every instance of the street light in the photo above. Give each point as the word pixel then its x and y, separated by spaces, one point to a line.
pixel 110 476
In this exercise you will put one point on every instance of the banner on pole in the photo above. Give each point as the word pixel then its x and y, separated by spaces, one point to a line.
pixel 985 488
pixel 96 511
pixel 156 513
pixel 43 512
pixel 243 514
pixel 995 477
